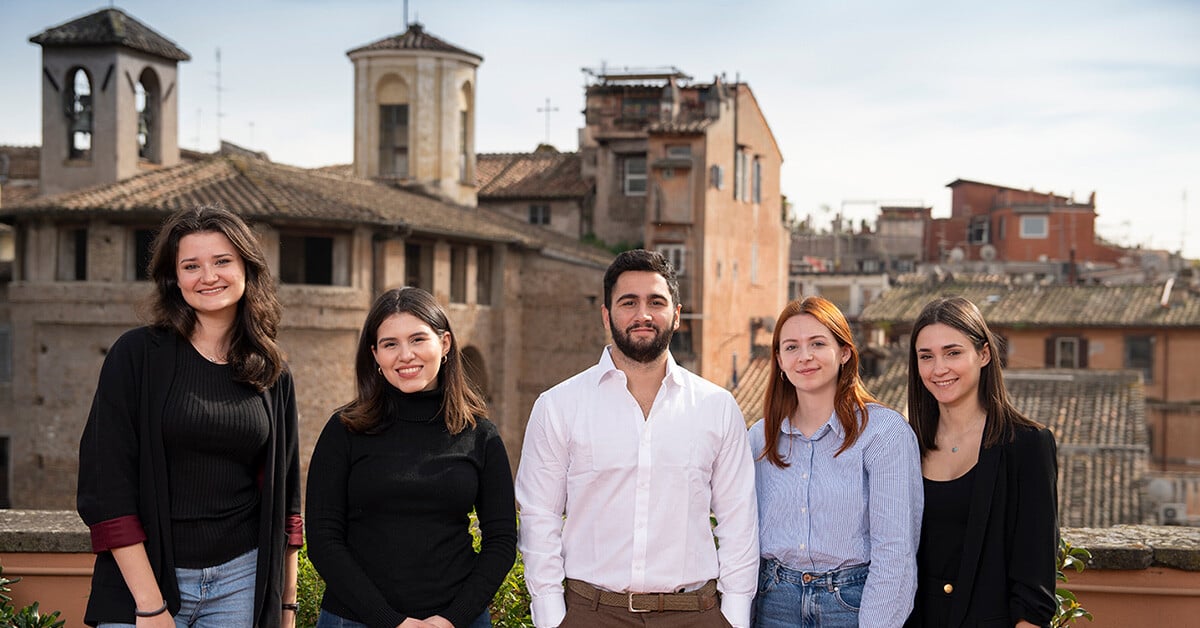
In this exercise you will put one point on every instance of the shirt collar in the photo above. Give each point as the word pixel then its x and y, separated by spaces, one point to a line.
pixel 675 373
pixel 832 425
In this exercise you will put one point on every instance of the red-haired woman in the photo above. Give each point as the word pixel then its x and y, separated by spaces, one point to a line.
pixel 838 478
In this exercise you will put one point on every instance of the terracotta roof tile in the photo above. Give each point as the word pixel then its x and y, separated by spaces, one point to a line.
pixel 530 175
pixel 752 388
pixel 110 27
pixel 262 190
pixel 415 38
pixel 1006 305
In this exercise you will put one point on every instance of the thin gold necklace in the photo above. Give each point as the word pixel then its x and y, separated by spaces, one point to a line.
pixel 954 448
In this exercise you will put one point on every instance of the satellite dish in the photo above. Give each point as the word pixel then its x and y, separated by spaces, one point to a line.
pixel 956 254
pixel 987 252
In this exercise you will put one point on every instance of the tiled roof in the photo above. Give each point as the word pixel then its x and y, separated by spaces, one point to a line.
pixel 1006 305
pixel 110 27
pixel 529 175
pixel 681 127
pixel 415 38
pixel 752 388
pixel 23 162
pixel 1099 422
pixel 16 194
pixel 262 190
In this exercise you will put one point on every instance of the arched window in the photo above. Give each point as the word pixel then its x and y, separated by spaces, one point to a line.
pixel 147 97
pixel 392 96
pixel 78 109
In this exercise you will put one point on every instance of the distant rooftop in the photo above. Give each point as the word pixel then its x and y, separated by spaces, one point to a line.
pixel 417 39
pixel 611 76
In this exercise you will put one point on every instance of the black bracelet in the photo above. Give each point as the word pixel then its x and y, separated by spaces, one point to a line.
pixel 154 613
pixel 294 607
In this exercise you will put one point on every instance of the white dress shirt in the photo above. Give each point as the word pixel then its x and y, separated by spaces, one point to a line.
pixel 637 492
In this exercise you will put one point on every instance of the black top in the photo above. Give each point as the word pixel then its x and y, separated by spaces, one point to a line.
pixel 387 515
pixel 214 430
pixel 943 528
pixel 123 493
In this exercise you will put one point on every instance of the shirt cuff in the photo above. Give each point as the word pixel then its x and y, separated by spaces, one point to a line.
pixel 549 610
pixel 736 609
pixel 295 531
pixel 118 532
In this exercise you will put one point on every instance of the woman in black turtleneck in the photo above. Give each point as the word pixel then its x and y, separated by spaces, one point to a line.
pixel 395 474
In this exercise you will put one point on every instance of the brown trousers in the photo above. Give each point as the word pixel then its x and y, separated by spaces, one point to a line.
pixel 584 614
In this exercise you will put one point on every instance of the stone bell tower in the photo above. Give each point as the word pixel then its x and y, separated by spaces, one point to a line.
pixel 110 101
pixel 414 114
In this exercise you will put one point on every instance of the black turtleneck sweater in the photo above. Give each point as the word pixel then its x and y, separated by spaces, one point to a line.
pixel 387 511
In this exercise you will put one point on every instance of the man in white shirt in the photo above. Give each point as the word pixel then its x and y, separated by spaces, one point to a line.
pixel 621 468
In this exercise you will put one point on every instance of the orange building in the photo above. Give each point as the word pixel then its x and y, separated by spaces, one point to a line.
pixel 996 223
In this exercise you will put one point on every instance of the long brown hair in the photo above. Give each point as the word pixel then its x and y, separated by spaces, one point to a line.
pixel 850 399
pixel 460 403
pixel 1002 416
pixel 253 353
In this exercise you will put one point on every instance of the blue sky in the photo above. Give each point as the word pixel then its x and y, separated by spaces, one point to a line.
pixel 869 101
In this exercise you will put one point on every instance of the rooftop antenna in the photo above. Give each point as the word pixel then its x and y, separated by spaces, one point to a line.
pixel 547 110
pixel 220 113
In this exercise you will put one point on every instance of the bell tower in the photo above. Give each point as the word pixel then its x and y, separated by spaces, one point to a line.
pixel 110 101
pixel 414 114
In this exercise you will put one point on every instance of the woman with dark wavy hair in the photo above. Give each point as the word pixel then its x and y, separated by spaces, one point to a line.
pixel 189 473
pixel 395 474
pixel 989 537
pixel 838 482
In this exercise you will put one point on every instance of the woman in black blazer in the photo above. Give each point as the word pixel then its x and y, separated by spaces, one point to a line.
pixel 989 532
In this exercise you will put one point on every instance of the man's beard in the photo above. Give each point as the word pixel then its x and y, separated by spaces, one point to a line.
pixel 643 351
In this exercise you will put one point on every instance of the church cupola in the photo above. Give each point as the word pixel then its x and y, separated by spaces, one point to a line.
pixel 414 114
pixel 110 101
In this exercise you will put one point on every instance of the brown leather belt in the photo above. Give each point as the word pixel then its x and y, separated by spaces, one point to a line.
pixel 701 599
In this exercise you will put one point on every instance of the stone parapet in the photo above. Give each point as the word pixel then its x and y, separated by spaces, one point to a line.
pixel 1127 547
pixel 49 531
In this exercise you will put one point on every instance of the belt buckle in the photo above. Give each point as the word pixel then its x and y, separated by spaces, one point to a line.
pixel 636 610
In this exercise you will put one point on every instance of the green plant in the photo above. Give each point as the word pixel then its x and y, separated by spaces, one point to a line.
pixel 310 588
pixel 27 617
pixel 1069 609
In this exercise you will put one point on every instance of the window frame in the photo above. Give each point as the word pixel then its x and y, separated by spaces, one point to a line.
pixel 1130 362
pixel 628 177
pixel 1028 234
pixel 677 254
pixel 539 214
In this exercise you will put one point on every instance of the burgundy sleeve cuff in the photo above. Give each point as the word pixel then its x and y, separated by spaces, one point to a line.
pixel 118 532
pixel 295 530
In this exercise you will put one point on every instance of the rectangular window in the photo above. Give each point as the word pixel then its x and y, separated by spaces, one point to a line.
pixel 142 239
pixel 679 151
pixel 483 275
pixel 539 214
pixel 393 141
pixel 1000 228
pixel 418 266
pixel 72 254
pixel 979 230
pixel 1066 353
pixel 458 273
pixel 313 260
pixel 1035 227
pixel 739 175
pixel 635 175
pixel 1139 354
pixel 677 255
pixel 5 353
pixel 639 108
pixel 718 176
pixel 757 180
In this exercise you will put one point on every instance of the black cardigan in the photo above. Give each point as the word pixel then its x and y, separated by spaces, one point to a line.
pixel 1011 541
pixel 122 493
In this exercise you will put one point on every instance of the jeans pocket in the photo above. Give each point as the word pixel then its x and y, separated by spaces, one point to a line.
pixel 766 581
pixel 849 596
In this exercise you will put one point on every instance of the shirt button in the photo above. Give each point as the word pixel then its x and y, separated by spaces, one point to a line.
pixel 802 547
pixel 949 588
pixel 803 510
pixel 805 476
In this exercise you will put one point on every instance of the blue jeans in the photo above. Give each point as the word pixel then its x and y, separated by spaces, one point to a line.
pixel 788 598
pixel 215 597
pixel 329 620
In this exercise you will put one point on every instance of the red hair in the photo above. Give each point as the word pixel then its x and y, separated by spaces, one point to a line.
pixel 851 399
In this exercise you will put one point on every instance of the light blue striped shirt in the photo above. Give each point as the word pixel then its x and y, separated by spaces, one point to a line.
pixel 823 513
